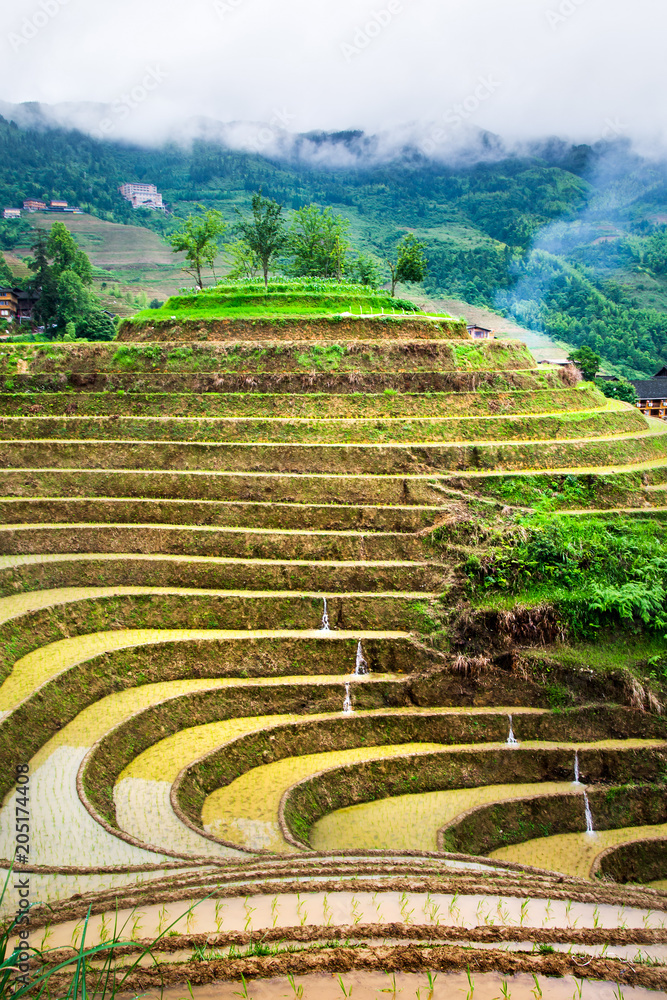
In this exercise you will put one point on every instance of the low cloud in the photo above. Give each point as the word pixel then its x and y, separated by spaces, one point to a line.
pixel 564 67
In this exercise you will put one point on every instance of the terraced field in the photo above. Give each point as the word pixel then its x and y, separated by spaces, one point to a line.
pixel 229 572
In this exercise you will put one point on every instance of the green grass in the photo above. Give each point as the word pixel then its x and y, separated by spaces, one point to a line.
pixel 597 572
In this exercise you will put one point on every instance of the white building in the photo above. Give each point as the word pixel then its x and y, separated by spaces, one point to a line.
pixel 12 213
pixel 143 196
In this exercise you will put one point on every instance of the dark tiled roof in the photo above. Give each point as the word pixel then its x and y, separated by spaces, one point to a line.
pixel 651 388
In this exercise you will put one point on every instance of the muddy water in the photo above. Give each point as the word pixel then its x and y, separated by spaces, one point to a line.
pixel 255 913
pixel 373 985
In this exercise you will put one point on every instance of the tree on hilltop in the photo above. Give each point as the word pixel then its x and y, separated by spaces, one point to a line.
pixel 198 238
pixel 409 264
pixel 264 232
pixel 318 243
pixel 244 262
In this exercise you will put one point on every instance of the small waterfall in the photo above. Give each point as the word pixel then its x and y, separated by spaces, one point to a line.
pixel 576 768
pixel 590 829
pixel 361 667
pixel 325 627
pixel 512 741
pixel 347 703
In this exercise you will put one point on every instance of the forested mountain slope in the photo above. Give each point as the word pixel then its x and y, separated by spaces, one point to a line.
pixel 569 240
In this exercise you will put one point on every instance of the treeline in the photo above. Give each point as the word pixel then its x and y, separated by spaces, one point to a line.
pixel 571 305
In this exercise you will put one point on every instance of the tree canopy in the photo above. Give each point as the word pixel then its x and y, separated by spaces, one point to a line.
pixel 409 263
pixel 264 233
pixel 199 239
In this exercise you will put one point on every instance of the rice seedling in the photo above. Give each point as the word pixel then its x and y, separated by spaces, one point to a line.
pixel 596 917
pixel 327 910
pixel 524 912
pixel 431 984
pixel 274 910
pixel 356 911
pixel 618 993
pixel 505 991
pixel 243 993
pixel 646 919
pixel 296 990
pixel 302 913
pixel 393 989
pixel 249 910
pixel 344 991
pixel 471 984
pixel 537 989
pixel 578 989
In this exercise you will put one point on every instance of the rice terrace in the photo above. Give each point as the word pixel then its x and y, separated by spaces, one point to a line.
pixel 332 659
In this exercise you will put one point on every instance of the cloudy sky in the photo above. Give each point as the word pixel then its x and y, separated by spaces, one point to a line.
pixel 582 69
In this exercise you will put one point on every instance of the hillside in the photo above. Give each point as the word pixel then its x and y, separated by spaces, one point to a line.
pixel 334 643
pixel 566 240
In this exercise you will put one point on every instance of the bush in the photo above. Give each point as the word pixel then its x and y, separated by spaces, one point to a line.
pixel 597 571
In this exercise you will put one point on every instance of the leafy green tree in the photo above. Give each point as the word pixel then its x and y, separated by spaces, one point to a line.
pixel 45 281
pixel 62 276
pixel 97 325
pixel 264 232
pixel 74 300
pixel 618 390
pixel 66 255
pixel 364 270
pixel 587 361
pixel 318 243
pixel 244 262
pixel 409 263
pixel 198 238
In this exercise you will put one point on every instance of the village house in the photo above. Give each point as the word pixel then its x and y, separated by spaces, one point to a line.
pixel 31 205
pixel 652 394
pixel 480 332
pixel 9 304
pixel 12 213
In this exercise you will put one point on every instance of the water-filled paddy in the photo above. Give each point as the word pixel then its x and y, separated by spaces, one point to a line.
pixel 371 985
pixel 411 822
pixel 333 909
pixel 574 853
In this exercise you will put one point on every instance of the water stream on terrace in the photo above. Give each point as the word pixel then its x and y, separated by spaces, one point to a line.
pixel 325 627
pixel 512 741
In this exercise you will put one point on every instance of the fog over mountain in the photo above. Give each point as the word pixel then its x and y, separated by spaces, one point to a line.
pixel 582 69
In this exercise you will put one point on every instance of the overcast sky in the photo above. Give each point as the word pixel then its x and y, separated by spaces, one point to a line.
pixel 582 69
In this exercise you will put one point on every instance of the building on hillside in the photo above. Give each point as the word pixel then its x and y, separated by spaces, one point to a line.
pixel 562 362
pixel 9 305
pixel 27 300
pixel 58 206
pixel 652 394
pixel 480 332
pixel 32 205
pixel 12 213
pixel 143 196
